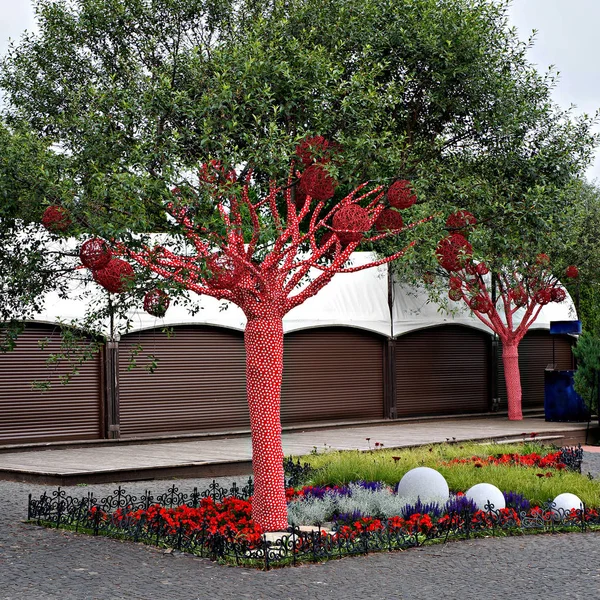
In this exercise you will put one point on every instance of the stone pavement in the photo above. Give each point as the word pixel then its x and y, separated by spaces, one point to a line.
pixel 213 456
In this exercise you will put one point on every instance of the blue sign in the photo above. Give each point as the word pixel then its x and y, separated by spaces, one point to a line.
pixel 557 327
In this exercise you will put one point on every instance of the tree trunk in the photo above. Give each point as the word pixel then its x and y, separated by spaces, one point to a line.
pixel 512 377
pixel 264 368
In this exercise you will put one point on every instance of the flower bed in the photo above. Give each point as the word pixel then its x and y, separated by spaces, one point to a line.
pixel 217 523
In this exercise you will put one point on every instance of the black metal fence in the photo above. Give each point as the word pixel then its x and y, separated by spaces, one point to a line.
pixel 113 516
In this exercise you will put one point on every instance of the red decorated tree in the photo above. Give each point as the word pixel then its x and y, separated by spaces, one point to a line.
pixel 507 299
pixel 265 274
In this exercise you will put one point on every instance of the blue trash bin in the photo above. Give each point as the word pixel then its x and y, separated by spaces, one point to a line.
pixel 561 402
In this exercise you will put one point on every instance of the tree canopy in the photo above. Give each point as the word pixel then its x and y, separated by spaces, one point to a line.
pixel 121 101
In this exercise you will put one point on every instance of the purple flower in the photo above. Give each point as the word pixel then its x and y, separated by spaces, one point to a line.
pixel 459 505
pixel 418 508
pixel 373 486
pixel 346 518
pixel 516 501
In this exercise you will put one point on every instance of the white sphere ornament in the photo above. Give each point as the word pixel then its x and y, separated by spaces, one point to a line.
pixel 567 502
pixel 424 484
pixel 483 494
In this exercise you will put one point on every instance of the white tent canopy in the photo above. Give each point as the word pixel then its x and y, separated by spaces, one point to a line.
pixel 357 300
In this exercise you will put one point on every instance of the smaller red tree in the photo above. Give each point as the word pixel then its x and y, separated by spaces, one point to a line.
pixel 508 300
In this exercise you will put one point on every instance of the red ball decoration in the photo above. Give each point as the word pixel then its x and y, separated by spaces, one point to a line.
pixel 95 254
pixel 455 295
pixel 558 294
pixel 389 220
pixel 543 296
pixel 116 277
pixel 56 219
pixel 223 275
pixel 453 252
pixel 312 148
pixel 572 272
pixel 455 283
pixel 156 302
pixel 519 296
pixel 481 269
pixel 350 223
pixel 461 222
pixel 317 183
pixel 400 194
pixel 480 304
pixel 543 260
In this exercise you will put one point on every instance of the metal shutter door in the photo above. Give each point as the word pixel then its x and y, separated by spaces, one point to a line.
pixel 332 374
pixel 64 412
pixel 442 370
pixel 199 384
pixel 535 354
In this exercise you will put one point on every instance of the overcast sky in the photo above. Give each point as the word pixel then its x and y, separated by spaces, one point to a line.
pixel 567 38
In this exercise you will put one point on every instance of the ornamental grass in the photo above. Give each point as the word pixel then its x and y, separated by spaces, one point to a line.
pixel 538 482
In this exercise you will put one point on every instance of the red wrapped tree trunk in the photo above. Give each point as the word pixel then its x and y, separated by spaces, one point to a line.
pixel 512 376
pixel 264 368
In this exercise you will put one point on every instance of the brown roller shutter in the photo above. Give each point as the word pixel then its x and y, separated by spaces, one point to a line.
pixel 535 354
pixel 199 384
pixel 332 374
pixel 64 412
pixel 442 370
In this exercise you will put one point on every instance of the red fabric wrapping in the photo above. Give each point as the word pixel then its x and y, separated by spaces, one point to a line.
pixel 512 377
pixel 264 368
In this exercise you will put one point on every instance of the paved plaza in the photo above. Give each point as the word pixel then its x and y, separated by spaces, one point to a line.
pixel 36 563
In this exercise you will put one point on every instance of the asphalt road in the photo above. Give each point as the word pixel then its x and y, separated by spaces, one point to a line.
pixel 36 563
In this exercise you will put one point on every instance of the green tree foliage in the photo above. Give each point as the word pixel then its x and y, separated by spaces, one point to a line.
pixel 587 376
pixel 584 251
pixel 129 97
